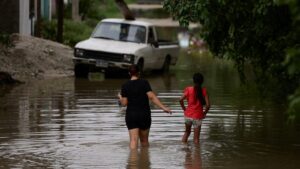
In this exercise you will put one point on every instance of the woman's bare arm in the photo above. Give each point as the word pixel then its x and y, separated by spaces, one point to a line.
pixel 157 102
pixel 123 100
pixel 181 101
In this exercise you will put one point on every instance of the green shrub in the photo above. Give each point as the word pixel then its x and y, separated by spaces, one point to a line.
pixel 91 22
pixel 49 29
pixel 6 40
pixel 73 31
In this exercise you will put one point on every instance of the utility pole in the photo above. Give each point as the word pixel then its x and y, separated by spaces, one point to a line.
pixel 38 19
pixel 60 20
pixel 75 10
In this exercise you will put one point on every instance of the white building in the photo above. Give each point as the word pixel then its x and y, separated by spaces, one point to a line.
pixel 18 16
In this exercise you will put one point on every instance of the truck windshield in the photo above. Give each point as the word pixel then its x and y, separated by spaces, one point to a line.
pixel 120 32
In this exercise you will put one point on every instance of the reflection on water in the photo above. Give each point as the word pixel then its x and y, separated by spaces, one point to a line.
pixel 193 158
pixel 139 159
pixel 77 123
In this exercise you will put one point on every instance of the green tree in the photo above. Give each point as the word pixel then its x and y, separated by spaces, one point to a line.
pixel 259 32
pixel 292 60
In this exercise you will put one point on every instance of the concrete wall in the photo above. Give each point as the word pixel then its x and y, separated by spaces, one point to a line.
pixel 14 17
pixel 46 6
pixel 24 20
pixel 9 17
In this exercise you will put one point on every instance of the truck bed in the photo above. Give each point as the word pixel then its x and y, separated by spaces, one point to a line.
pixel 166 42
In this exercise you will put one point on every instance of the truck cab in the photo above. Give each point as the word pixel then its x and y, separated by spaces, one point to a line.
pixel 118 43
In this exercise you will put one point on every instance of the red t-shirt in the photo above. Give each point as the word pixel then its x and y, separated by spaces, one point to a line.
pixel 194 108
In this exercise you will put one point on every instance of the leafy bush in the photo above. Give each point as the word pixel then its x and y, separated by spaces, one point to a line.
pixel 73 31
pixel 49 29
pixel 5 40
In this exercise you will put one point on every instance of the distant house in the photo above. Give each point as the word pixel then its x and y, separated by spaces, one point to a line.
pixel 18 16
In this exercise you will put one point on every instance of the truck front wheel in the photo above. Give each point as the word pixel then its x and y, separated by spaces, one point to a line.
pixel 81 71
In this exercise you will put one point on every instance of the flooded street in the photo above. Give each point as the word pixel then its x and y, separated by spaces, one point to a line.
pixel 77 123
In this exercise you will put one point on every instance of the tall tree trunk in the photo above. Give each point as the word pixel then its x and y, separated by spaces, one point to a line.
pixel 75 10
pixel 38 19
pixel 60 20
pixel 125 10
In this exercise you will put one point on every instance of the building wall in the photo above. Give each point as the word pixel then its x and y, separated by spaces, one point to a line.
pixel 46 9
pixel 15 15
pixel 9 17
pixel 24 20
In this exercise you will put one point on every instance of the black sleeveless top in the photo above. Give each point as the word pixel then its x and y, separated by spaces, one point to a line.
pixel 138 108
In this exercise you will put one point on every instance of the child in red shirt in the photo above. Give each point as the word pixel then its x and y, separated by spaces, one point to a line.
pixel 197 98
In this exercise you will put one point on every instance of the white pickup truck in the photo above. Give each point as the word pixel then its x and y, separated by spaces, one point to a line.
pixel 117 43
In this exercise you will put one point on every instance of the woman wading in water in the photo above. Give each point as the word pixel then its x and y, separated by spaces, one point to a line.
pixel 135 94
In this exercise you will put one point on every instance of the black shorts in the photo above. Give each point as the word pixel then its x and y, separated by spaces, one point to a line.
pixel 142 123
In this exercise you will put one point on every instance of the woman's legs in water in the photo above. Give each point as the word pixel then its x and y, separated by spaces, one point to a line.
pixel 187 132
pixel 144 135
pixel 134 136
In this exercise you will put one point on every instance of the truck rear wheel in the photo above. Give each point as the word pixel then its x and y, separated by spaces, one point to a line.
pixel 140 64
pixel 166 65
pixel 81 71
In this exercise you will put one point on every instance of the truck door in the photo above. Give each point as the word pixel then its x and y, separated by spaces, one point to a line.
pixel 152 41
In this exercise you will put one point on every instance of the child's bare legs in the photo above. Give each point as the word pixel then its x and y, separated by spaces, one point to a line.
pixel 197 134
pixel 187 132
pixel 134 136
pixel 144 135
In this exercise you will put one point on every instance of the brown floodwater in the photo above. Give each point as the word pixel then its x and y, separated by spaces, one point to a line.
pixel 77 123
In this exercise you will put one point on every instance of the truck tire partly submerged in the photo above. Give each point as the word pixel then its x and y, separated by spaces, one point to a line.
pixel 81 71
pixel 140 64
pixel 166 65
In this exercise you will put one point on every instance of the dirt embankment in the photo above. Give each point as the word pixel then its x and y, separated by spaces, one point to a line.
pixel 35 58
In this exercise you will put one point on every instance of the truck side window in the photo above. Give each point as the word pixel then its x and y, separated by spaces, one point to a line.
pixel 150 36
